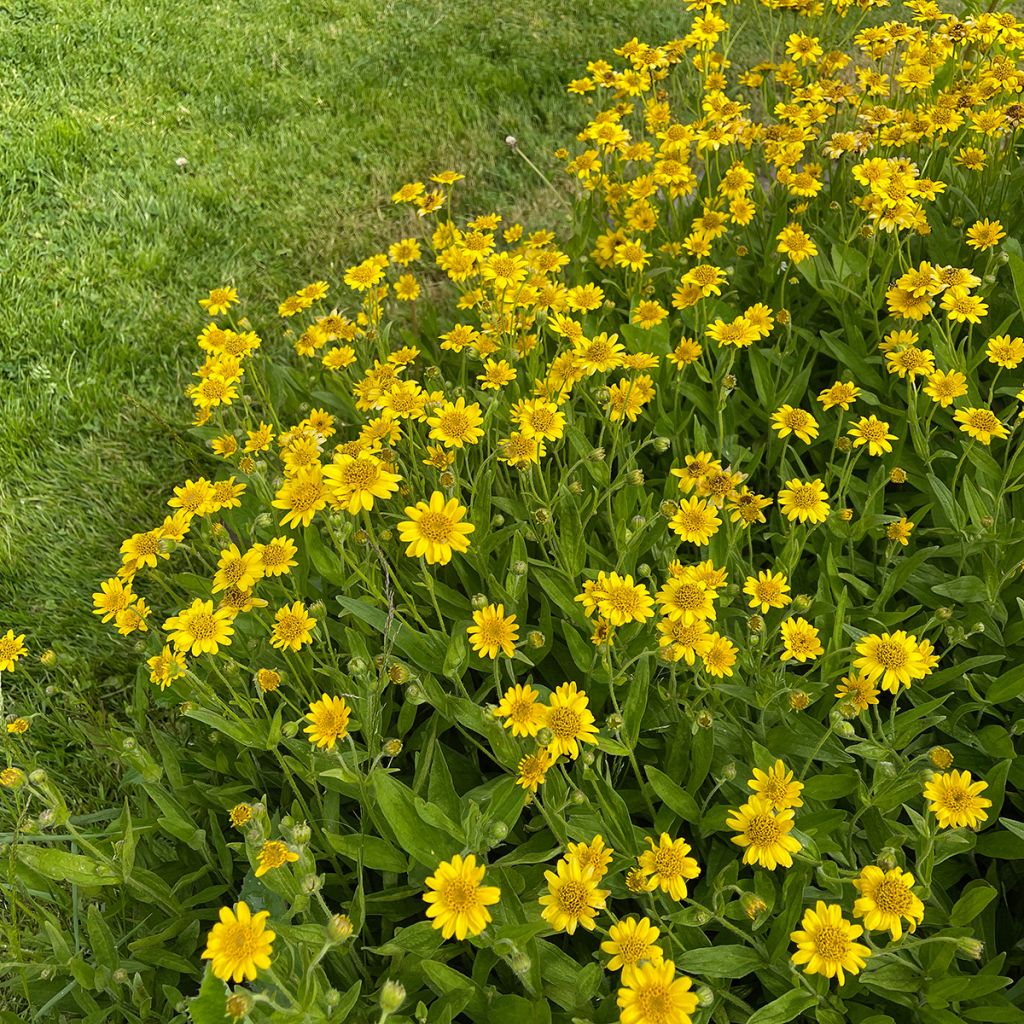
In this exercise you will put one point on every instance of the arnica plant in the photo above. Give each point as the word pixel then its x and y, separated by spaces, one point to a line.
pixel 616 620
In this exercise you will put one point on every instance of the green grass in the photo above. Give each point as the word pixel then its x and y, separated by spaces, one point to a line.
pixel 297 120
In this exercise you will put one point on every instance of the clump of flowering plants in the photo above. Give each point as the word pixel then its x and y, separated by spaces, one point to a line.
pixel 623 625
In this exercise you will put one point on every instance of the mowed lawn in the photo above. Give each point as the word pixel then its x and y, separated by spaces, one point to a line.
pixel 297 120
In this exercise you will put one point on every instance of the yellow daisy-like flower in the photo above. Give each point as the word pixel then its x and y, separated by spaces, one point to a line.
pixel 18 727
pixel 983 234
pixel 767 590
pixel 199 629
pixel 328 718
pixel 12 650
pixel 667 866
pixel 800 641
pixel 687 600
pixel 858 690
pixel 621 601
pixel 825 943
pixel 220 300
pixel 533 769
pixel 522 714
pixel 113 596
pixel 631 942
pixel 981 424
pixel 872 432
pixel 239 944
pixel 805 501
pixel 696 521
pixel 891 659
pixel 573 898
pixel 764 834
pixel 301 496
pixel 718 655
pixel 777 786
pixel 787 420
pixel 292 628
pixel 277 557
pixel 165 667
pixel 435 530
pixel 953 799
pixel 842 394
pixel 886 897
pixel 570 720
pixel 652 994
pixel 237 570
pixel 493 631
pixel 457 902
pixel 274 854
pixel 594 855
pixel 456 424
pixel 353 482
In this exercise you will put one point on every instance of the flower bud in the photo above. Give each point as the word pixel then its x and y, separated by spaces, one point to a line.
pixel 755 623
pixel 520 568
pixel 498 520
pixel 753 905
pixel 414 694
pixel 239 1004
pixel 941 757
pixel 844 730
pixel 331 998
pixel 397 673
pixel 729 771
pixel 615 722
pixel 497 832
pixel 596 455
pixel 801 603
pixel 577 797
pixel 311 884
pixel 38 777
pixel 392 747
pixel 635 477
pixel 392 995
pixel 447 480
pixel 897 476
pixel 575 487
pixel 798 700
pixel 520 964
pixel 970 946
pixel 301 834
pixel 705 997
pixel 545 736
pixel 886 858
pixel 705 719
pixel 541 516
pixel 290 730
pixel 536 639
pixel 339 928
pixel 48 658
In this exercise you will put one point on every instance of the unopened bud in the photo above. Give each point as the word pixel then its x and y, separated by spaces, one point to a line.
pixel 596 455
pixel 801 603
pixel 290 730
pixel 729 771
pixel 635 477
pixel 798 700
pixel 705 719
pixel 615 722
pixel 536 639
pixel 447 480
pixel 392 747
pixel 661 444
pixel 705 997
pixel 339 928
pixel 48 658
pixel 971 947
pixel 357 666
pixel 238 1005
pixel 545 736
pixel 392 995
pixel 753 905
pixel 941 757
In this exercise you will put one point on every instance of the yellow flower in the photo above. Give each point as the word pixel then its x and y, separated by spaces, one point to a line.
pixel 199 629
pixel 696 521
pixel 354 481
pixel 764 834
pixel 594 855
pixel 841 394
pixel 944 387
pixel 891 659
pixel 767 590
pixel 652 994
pixel 570 720
pixel 435 530
pixel 873 432
pixel 497 374
pixel 302 496
pixel 237 570
pixel 777 786
pixel 622 601
pixel 240 814
pixel 667 865
pixel 800 641
pixel 18 727
pixel 220 300
pixel 686 600
pixel 983 234
pixel 165 667
pixel 328 718
pixel 953 799
pixel 859 690
pixel 277 557
pixel 457 902
pixel 292 627
pixel 456 424
pixel 794 242
pixel 274 854
pixel 981 424
pixel 825 943
pixel 886 897
pixel 522 714
pixel 807 502
pixel 573 898
pixel 786 420
pixel 900 530
pixel 112 597
pixel 239 944
pixel 533 769
pixel 493 631
pixel 719 655
pixel 630 943
pixel 12 650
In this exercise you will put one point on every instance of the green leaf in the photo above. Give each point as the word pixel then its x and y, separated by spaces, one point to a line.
pixel 372 851
pixel 209 1007
pixel 975 899
pixel 398 809
pixel 101 939
pixel 786 1008
pixel 721 961
pixel 65 867
pixel 673 796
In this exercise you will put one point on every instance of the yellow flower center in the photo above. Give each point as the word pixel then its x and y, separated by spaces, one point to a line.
pixel 983 419
pixel 290 626
pixel 274 555
pixel 598 351
pixel 436 527
pixel 241 942
pixel 564 723
pixel 624 599
pixel 305 496
pixel 892 896
pixel 234 571
pixel 273 854
pixel 202 625
pixel 454 424
pixel 360 474
pixel 763 830
pixel 573 897
pixel 775 789
pixel 655 1003
pixel 805 496
pixel 459 895
pixel 331 721
pixel 632 949
pixel 768 591
pixel 831 944
pixel 891 655
pixel 669 862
